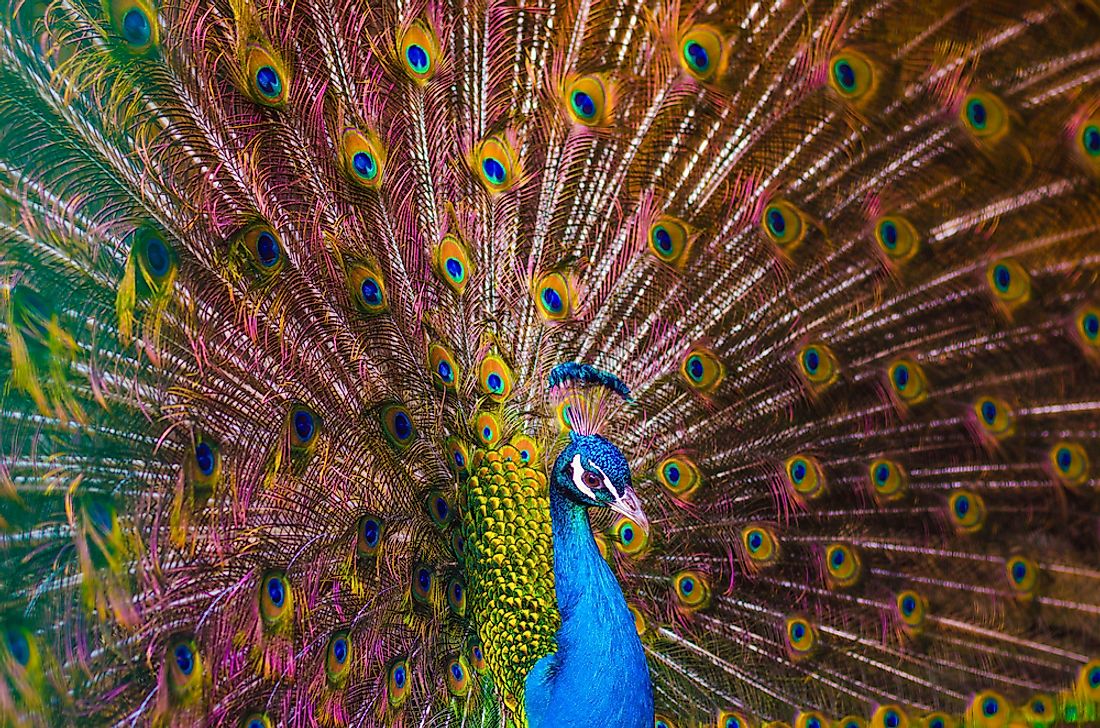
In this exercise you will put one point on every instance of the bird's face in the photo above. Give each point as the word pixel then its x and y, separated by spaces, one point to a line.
pixel 593 472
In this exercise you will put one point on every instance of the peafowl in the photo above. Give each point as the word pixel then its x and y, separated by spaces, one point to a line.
pixel 550 363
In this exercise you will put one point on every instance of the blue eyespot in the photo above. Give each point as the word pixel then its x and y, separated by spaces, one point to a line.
pixel 454 268
pixel 424 578
pixel 456 590
pixel 584 105
pixel 267 249
pixel 672 472
pixel 838 558
pixel 695 367
pixel 135 27
pixel 267 80
pixel 989 412
pixel 908 605
pixel 445 372
pixel 697 56
pixel 417 57
pixel 456 671
pixel 204 458
pixel 304 426
pixel 891 719
pixel 185 659
pixel 845 75
pixel 901 376
pixel 399 677
pixel 1091 325
pixel 962 506
pixel 888 231
pixel 798 631
pixel 1094 677
pixel 1091 139
pixel 812 360
pixel 460 461
pixel 494 170
pixel 18 646
pixel 990 706
pixel 798 471
pixel 552 299
pixel 487 432
pixel 627 534
pixel 101 516
pixel 495 382
pixel 340 650
pixel 1019 571
pixel 1002 277
pixel 402 426
pixel 156 253
pixel 364 164
pixel 371 292
pixel 1038 707
pixel 276 592
pixel 441 508
pixel 663 239
pixel 776 222
pixel 687 585
pixel 977 114
pixel 756 540
pixel 371 532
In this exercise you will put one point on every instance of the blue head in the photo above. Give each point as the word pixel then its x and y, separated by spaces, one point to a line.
pixel 591 472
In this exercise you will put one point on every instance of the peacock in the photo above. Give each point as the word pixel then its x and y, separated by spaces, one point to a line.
pixel 550 363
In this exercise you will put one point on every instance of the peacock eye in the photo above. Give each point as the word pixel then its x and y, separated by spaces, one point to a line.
pixel 592 480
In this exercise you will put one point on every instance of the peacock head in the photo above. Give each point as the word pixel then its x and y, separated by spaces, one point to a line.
pixel 591 472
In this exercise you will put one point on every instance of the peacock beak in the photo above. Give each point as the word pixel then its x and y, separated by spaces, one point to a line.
pixel 629 505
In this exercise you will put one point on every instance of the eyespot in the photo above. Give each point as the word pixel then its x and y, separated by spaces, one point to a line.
pixel 495 377
pixel 731 719
pixel 205 466
pixel 1086 328
pixel 843 567
pixel 568 408
pixel 669 240
pixel 256 720
pixel 439 508
pixel 1070 463
pixel 994 417
pixel 304 427
pixel 966 511
pixel 495 165
pixel 702 370
pixel 156 261
pixel 21 647
pixel 488 428
pixel 528 450
pixel 907 381
pixel 889 716
pixel 184 666
pixel 939 720
pixel 912 611
pixel 818 366
pixel 102 531
pixel 1086 143
pixel 812 719
pixel 456 596
pixel 804 476
pixel 458 545
pixel 988 709
pixel 452 263
pixel 587 100
pixel 419 50
pixel 476 658
pixel 458 456
pixel 800 637
pixel 444 368
pixel 422 583
pixel 268 78
pixel 398 683
pixel 679 476
pixel 985 117
pixel 364 158
pixel 554 298
pixel 397 425
pixel 661 721
pixel 276 599
pixel 135 23
pixel 369 540
pixel 702 53
pixel 852 75
pixel 889 481
pixel 368 290
pixel 458 676
pixel 1088 681
pixel 1009 283
pixel 897 238
pixel 784 224
pixel 629 539
pixel 851 721
pixel 338 659
pixel 1039 710
pixel 1023 576
pixel 691 590
pixel 265 251
pixel 759 546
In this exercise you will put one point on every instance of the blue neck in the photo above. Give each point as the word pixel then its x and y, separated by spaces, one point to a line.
pixel 598 676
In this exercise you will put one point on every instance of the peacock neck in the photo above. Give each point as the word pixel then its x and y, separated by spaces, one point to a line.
pixel 599 657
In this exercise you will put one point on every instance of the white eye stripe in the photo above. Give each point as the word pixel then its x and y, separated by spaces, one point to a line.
pixel 607 482
pixel 578 477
